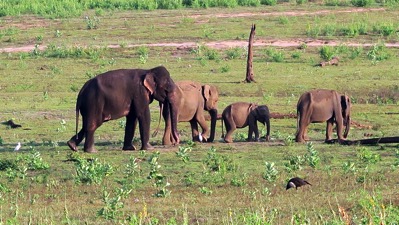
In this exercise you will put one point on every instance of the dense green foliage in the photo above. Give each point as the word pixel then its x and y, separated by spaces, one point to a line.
pixel 72 8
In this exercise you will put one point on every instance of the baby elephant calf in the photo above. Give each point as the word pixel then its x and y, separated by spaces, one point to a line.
pixel 242 114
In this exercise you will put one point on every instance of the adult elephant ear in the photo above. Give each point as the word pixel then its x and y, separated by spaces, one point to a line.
pixel 206 91
pixel 149 83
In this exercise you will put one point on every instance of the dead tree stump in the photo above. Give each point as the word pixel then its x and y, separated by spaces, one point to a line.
pixel 250 73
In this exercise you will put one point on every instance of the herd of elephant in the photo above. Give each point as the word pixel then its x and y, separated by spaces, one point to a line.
pixel 129 92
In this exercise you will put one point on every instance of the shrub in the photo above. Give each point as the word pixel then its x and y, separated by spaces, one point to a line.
pixel 249 2
pixel 91 171
pixel 268 2
pixel 327 52
pixel 362 3
pixel 378 53
pixel 271 173
pixel 234 53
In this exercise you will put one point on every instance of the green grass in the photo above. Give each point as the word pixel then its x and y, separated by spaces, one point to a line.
pixel 215 183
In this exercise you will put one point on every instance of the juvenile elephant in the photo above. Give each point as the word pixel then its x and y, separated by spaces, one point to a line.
pixel 124 92
pixel 242 114
pixel 193 99
pixel 323 105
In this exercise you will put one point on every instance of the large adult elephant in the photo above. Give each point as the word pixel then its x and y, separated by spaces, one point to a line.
pixel 323 105
pixel 194 98
pixel 124 92
pixel 242 114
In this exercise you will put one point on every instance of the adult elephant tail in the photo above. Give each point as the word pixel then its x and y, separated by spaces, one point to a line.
pixel 222 128
pixel 77 110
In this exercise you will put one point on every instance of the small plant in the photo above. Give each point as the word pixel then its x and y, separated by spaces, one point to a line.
pixel 349 167
pixel 378 53
pixel 271 173
pixel 218 163
pixel 268 2
pixel 327 52
pixel 289 140
pixel 92 23
pixel 294 163
pixel 239 180
pixel 283 20
pixel 57 33
pixel 366 156
pixel 234 53
pixel 312 156
pixel 355 52
pixel 182 153
pixel 91 171
pixel 205 191
pixel 143 54
pixel 24 163
pixel 361 3
pixel 385 29
pixel 63 126
pixel 275 55
pixel 239 136
pixel 296 55
pixel 159 179
pixel 225 69
pixel 39 38
pixel 212 54
pixel 112 205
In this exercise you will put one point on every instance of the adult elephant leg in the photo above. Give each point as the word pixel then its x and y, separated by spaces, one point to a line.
pixel 301 130
pixel 205 129
pixel 194 130
pixel 76 139
pixel 230 128
pixel 214 114
pixel 91 125
pixel 130 128
pixel 144 127
pixel 252 127
pixel 329 129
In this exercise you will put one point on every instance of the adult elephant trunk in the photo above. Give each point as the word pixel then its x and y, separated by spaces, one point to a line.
pixel 214 114
pixel 347 127
pixel 173 106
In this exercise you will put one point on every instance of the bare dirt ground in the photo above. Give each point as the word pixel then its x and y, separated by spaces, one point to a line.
pixel 224 44
pixel 235 43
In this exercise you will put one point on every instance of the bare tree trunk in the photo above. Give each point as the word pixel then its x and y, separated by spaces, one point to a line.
pixel 250 73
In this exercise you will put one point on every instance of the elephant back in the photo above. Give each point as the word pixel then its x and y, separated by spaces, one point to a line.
pixel 188 85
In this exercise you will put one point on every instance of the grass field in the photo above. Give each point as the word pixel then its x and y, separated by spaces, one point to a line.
pixel 201 183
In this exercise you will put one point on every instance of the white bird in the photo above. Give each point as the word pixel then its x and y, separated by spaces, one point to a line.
pixel 18 146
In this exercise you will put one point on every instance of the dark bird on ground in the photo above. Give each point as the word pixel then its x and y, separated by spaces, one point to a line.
pixel 296 182
pixel 11 124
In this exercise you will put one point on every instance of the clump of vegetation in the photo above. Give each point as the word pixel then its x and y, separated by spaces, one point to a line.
pixel 378 53
pixel 271 172
pixel 327 52
pixel 160 180
pixel 91 171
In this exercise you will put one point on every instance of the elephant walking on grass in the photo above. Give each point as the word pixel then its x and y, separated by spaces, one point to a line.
pixel 124 92
pixel 323 105
pixel 193 99
pixel 242 114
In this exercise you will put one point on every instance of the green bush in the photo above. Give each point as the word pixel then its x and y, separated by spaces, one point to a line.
pixel 327 52
pixel 91 171
pixel 268 2
pixel 362 3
